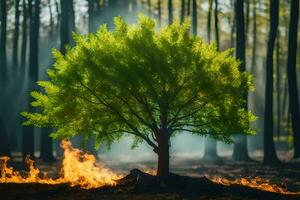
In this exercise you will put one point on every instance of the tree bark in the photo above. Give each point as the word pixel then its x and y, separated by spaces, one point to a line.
pixel 28 131
pixel 15 53
pixel 217 33
pixel 210 151
pixel 182 11
pixel 292 78
pixel 24 38
pixel 240 151
pixel 46 145
pixel 170 11
pixel 159 12
pixel 278 84
pixel 163 164
pixel 3 39
pixel 209 13
pixel 195 18
pixel 270 156
pixel 188 7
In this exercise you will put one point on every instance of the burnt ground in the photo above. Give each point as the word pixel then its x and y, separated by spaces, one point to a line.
pixel 180 187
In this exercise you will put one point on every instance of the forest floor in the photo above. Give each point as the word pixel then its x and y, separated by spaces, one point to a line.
pixel 286 174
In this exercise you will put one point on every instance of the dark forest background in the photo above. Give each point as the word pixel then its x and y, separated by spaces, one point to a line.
pixel 263 33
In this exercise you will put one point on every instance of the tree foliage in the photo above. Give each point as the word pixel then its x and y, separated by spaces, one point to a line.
pixel 140 81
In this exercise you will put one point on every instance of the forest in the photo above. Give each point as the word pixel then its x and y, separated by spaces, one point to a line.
pixel 195 99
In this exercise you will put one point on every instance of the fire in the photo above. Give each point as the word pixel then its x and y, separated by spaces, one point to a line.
pixel 257 183
pixel 78 169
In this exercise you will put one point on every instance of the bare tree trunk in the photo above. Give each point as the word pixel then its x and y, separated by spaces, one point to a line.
pixel 182 14
pixel 209 13
pixel 278 83
pixel 195 18
pixel 24 38
pixel 3 39
pixel 240 151
pixel 217 33
pixel 254 34
pixel 188 7
pixel 270 156
pixel 170 11
pixel 34 16
pixel 292 78
pixel 15 53
pixel 159 12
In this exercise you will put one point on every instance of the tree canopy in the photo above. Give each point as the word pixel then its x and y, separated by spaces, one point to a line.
pixel 144 82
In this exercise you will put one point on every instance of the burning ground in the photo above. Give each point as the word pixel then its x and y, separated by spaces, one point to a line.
pixel 80 177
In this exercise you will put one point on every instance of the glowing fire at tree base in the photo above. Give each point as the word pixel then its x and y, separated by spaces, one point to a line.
pixel 79 169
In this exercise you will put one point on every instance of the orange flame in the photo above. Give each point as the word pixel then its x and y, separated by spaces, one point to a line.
pixel 257 183
pixel 78 169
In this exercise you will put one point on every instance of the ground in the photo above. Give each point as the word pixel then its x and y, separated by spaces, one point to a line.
pixel 287 175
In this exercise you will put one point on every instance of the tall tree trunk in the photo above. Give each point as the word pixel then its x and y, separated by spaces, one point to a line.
pixel 3 39
pixel 91 13
pixel 51 19
pixel 292 78
pixel 217 32
pixel 247 18
pixel 270 156
pixel 24 38
pixel 278 84
pixel 254 35
pixel 188 7
pixel 240 151
pixel 195 18
pixel 209 13
pixel 34 16
pixel 46 145
pixel 159 12
pixel 15 53
pixel 4 144
pixel 170 11
pixel 233 26
pixel 182 11
pixel 64 26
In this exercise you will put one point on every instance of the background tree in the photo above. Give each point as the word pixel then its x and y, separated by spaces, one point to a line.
pixel 34 17
pixel 186 93
pixel 270 156
pixel 292 78
pixel 195 18
pixel 3 39
pixel 15 53
pixel 240 151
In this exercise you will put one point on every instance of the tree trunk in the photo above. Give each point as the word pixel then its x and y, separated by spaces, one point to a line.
pixel 46 145
pixel 240 151
pixel 159 12
pixel 292 78
pixel 209 13
pixel 182 12
pixel 194 18
pixel 217 33
pixel 24 38
pixel 270 156
pixel 188 7
pixel 254 34
pixel 278 84
pixel 170 11
pixel 210 151
pixel 4 144
pixel 15 53
pixel 64 26
pixel 163 170
pixel 28 132
pixel 3 38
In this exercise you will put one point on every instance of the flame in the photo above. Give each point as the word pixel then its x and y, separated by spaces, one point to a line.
pixel 257 183
pixel 78 169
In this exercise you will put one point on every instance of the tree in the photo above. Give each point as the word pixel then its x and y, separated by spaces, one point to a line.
pixel 182 11
pixel 208 26
pixel 240 151
pixel 210 152
pixel 34 17
pixel 269 148
pixel 292 78
pixel 170 11
pixel 3 39
pixel 24 37
pixel 195 18
pixel 15 53
pixel 179 83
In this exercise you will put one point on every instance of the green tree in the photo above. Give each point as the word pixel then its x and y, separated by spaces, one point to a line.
pixel 137 81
